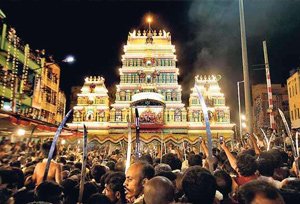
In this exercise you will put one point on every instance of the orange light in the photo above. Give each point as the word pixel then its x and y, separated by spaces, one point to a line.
pixel 149 19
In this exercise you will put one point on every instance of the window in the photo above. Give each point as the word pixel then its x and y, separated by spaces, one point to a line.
pixel 292 115
pixel 118 116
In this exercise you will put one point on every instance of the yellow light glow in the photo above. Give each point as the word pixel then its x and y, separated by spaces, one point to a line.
pixel 21 132
pixel 149 19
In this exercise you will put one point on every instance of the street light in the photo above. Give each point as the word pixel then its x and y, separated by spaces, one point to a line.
pixel 239 100
pixel 69 59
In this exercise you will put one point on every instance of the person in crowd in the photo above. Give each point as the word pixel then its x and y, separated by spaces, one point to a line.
pixel 49 191
pixel 172 160
pixel 224 186
pixel 259 192
pixel 199 186
pixel 195 160
pixel 114 188
pixel 159 190
pixel 97 172
pixel 137 176
pixel 98 198
pixel 55 169
pixel 245 164
pixel 266 168
pixel 162 168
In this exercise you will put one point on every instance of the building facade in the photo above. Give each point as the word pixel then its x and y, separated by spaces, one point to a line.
pixel 261 116
pixel 293 83
pixel 29 85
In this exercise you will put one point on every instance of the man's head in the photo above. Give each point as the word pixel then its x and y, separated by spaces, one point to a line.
pixel 199 185
pixel 49 191
pixel 170 159
pixel 159 190
pixel 259 192
pixel 224 182
pixel 246 164
pixel 195 160
pixel 97 172
pixel 46 149
pixel 136 177
pixel 114 189
pixel 162 168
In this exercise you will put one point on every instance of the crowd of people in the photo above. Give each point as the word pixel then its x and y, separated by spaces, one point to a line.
pixel 249 174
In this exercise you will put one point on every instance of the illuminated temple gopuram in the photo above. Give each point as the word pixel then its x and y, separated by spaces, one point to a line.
pixel 149 82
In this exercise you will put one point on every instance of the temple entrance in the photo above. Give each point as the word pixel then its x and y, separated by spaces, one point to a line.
pixel 150 108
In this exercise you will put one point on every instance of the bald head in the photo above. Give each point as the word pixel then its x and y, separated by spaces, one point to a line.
pixel 159 190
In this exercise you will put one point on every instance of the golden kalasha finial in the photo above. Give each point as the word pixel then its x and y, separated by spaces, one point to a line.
pixel 160 33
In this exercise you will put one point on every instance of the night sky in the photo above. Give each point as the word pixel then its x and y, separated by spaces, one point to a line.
pixel 206 35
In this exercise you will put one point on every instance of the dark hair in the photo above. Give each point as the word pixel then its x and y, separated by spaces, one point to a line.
pixel 246 164
pixel 49 191
pixel 199 185
pixel 146 158
pixel 111 165
pixel 250 152
pixel 162 168
pixel 15 164
pixel 248 191
pixel 97 172
pixel 62 160
pixel 12 176
pixel 68 186
pixel 167 174
pixel 115 182
pixel 97 198
pixel 23 196
pixel 78 165
pixel 147 170
pixel 266 167
pixel 170 159
pixel 277 158
pixel 46 149
pixel 195 159
pixel 224 182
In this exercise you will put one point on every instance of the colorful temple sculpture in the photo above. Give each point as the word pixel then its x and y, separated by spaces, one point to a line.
pixel 149 82
pixel 92 107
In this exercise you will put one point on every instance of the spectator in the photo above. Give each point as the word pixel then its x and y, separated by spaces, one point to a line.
pixel 114 189
pixel 259 192
pixel 195 160
pixel 49 191
pixel 136 177
pixel 159 190
pixel 55 169
pixel 199 186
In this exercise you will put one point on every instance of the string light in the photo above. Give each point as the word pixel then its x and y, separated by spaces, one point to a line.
pixel 24 74
pixel 14 70
pixel 5 69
